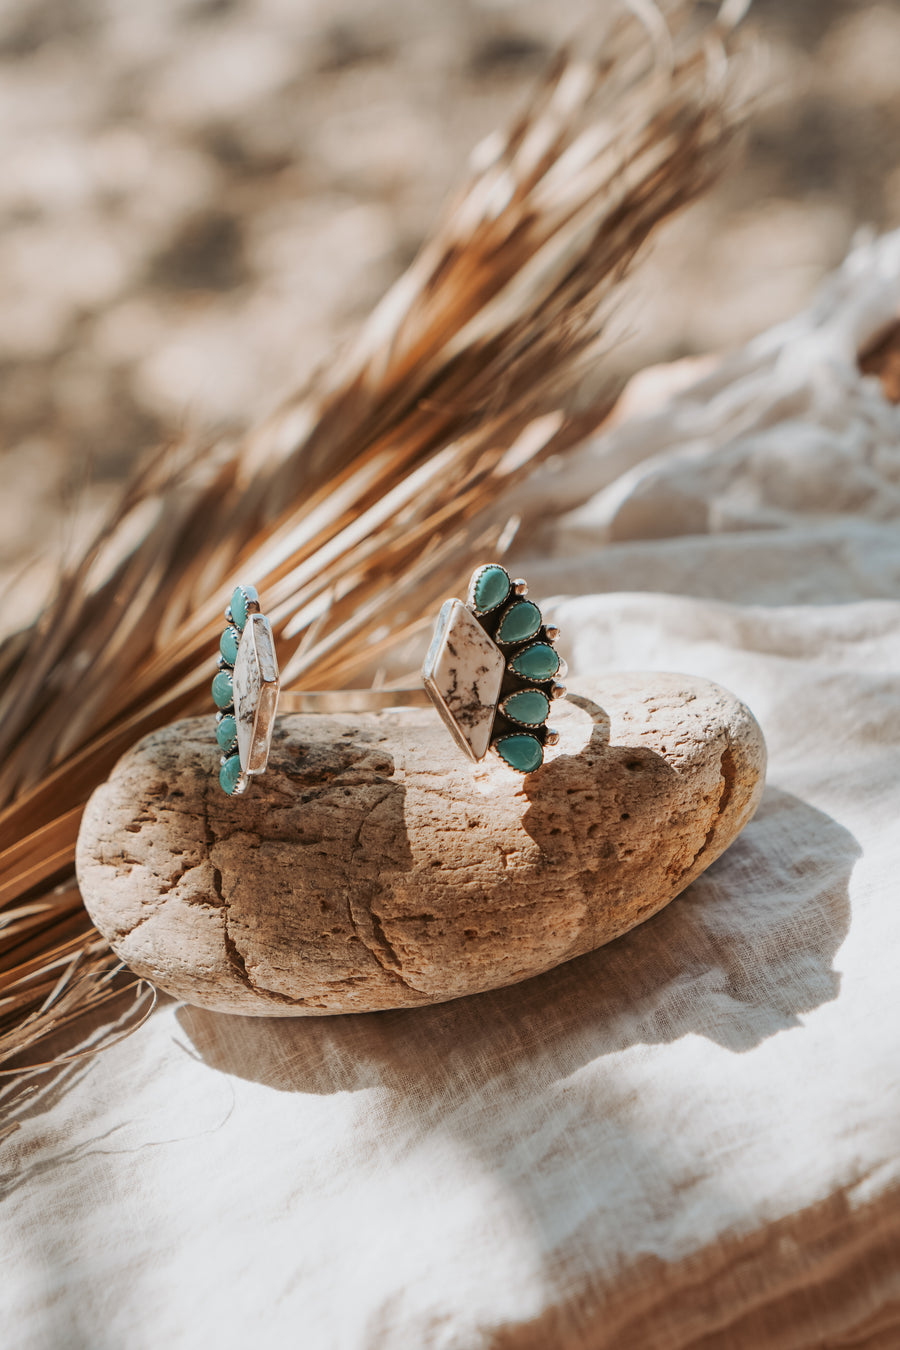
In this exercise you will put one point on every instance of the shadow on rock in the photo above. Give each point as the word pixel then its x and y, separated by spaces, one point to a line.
pixel 744 953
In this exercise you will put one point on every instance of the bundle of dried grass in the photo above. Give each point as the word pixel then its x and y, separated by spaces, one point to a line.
pixel 360 504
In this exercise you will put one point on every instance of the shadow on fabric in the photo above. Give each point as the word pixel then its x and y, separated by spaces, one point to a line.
pixel 741 955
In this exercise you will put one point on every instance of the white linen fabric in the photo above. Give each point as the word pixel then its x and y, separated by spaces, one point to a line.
pixel 687 1139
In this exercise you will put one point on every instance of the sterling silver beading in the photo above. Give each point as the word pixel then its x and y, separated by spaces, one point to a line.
pixel 491 671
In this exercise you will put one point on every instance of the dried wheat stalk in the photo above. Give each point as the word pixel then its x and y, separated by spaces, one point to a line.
pixel 369 496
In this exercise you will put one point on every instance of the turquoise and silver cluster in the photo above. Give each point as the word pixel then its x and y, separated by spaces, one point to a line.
pixel 493 670
pixel 244 602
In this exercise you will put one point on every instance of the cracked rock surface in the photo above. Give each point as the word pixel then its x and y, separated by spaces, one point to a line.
pixel 374 867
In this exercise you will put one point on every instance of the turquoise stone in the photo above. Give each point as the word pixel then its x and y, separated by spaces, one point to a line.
pixel 529 706
pixel 226 733
pixel 521 751
pixel 228 645
pixel 491 588
pixel 229 773
pixel 522 620
pixel 239 604
pixel 223 689
pixel 539 662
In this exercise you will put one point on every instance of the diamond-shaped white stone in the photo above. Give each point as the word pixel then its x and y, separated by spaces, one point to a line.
pixel 255 693
pixel 463 672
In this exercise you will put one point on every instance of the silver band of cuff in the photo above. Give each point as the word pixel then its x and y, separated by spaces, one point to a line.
pixel 351 700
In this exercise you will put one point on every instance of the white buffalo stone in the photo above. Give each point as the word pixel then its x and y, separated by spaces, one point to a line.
pixel 463 672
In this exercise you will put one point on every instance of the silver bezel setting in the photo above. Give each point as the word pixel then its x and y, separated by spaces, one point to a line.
pixel 471 603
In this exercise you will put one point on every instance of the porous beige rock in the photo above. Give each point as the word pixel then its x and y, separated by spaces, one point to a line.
pixel 374 867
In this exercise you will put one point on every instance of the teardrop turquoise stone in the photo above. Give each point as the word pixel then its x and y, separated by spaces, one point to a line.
pixel 529 706
pixel 539 662
pixel 228 645
pixel 491 588
pixel 522 752
pixel 520 621
pixel 223 689
pixel 226 734
pixel 239 604
pixel 229 773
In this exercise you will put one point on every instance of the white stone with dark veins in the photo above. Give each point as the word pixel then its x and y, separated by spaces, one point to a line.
pixel 255 693
pixel 463 672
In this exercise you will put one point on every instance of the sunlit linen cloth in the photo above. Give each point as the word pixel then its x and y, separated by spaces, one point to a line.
pixel 688 1139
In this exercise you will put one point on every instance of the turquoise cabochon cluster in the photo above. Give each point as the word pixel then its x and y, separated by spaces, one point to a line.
pixel 229 644
pixel 243 600
pixel 515 622
pixel 490 587
pixel 531 707
pixel 521 751
pixel 538 662
pixel 520 622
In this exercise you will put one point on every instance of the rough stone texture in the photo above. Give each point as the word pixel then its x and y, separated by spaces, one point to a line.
pixel 374 867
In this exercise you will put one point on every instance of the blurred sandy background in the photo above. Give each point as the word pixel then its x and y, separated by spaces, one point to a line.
pixel 199 198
